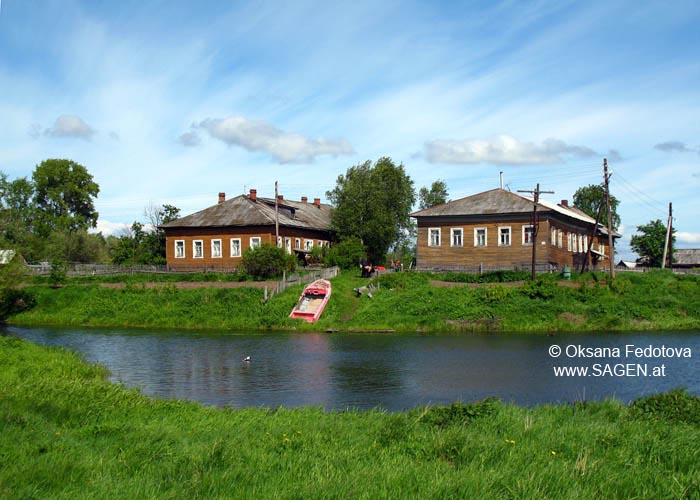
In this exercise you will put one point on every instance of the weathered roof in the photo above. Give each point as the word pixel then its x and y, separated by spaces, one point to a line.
pixel 243 211
pixel 686 256
pixel 499 201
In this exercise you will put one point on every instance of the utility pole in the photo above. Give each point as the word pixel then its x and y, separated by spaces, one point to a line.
pixel 593 233
pixel 667 246
pixel 535 224
pixel 611 240
pixel 277 219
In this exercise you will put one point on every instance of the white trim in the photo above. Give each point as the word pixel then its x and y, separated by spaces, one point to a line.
pixel 553 238
pixel 288 244
pixel 297 243
pixel 526 226
pixel 221 253
pixel 184 252
pixel 253 243
pixel 320 243
pixel 560 239
pixel 194 249
pixel 439 236
pixel 452 236
pixel 240 249
pixel 476 236
pixel 510 236
pixel 308 244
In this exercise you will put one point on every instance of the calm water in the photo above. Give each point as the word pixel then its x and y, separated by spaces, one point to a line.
pixel 391 371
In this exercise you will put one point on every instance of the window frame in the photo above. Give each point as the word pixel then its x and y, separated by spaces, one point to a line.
pixel 308 244
pixel 221 253
pixel 452 237
pixel 297 243
pixel 184 251
pixel 510 236
pixel 532 234
pixel 252 243
pixel 194 249
pixel 439 236
pixel 240 248
pixel 476 236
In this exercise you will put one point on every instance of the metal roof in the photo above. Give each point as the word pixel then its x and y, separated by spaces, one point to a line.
pixel 243 211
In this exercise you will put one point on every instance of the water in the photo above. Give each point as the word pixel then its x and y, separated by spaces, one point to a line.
pixel 391 371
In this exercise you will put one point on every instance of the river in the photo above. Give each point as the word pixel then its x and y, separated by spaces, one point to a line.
pixel 391 371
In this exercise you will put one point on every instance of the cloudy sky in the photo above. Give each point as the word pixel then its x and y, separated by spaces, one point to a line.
pixel 173 101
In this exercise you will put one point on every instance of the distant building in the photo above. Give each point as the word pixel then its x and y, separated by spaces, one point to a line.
pixel 494 229
pixel 627 264
pixel 216 237
pixel 686 258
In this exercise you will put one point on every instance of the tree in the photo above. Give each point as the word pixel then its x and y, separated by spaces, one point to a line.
pixel 64 195
pixel 373 203
pixel 436 195
pixel 589 198
pixel 649 244
pixel 16 213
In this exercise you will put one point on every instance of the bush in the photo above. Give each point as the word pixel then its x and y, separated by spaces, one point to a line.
pixel 488 277
pixel 59 272
pixel 266 261
pixel 674 407
pixel 347 254
pixel 13 301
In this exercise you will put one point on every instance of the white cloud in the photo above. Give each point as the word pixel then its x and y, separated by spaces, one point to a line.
pixel 674 147
pixel 688 237
pixel 503 150
pixel 107 227
pixel 259 135
pixel 70 126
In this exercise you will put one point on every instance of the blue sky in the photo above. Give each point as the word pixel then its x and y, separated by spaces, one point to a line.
pixel 174 101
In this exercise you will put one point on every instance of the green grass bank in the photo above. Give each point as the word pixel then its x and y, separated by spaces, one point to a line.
pixel 69 434
pixel 403 301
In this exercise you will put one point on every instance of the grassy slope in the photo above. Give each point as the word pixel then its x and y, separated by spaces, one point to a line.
pixel 66 433
pixel 405 301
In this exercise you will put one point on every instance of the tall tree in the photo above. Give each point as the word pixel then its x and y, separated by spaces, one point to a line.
pixel 373 203
pixel 64 193
pixel 589 198
pixel 649 243
pixel 436 195
pixel 16 211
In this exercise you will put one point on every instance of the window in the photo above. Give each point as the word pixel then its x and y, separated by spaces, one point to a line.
pixel 235 247
pixel 568 242
pixel 434 237
pixel 198 249
pixel 504 236
pixel 560 238
pixel 479 236
pixel 554 236
pixel 255 241
pixel 308 244
pixel 456 237
pixel 585 243
pixel 179 249
pixel 216 249
pixel 279 242
pixel 320 243
pixel 288 245
pixel 297 243
pixel 580 244
pixel 528 232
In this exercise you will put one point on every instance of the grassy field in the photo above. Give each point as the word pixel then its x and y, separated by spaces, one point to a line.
pixel 69 434
pixel 402 301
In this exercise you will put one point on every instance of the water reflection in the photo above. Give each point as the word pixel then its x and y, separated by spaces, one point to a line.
pixel 361 370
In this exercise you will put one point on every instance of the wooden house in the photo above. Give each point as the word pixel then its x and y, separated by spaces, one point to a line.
pixel 686 258
pixel 216 237
pixel 494 230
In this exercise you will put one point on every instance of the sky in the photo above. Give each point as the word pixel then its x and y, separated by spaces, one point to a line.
pixel 172 102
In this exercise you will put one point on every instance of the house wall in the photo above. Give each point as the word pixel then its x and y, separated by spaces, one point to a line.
pixel 226 261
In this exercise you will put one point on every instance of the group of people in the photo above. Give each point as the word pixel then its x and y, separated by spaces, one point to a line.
pixel 369 270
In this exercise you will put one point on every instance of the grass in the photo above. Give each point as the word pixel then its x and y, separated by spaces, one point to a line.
pixel 403 301
pixel 69 434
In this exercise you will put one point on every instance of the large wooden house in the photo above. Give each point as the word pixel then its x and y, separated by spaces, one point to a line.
pixel 216 237
pixel 494 230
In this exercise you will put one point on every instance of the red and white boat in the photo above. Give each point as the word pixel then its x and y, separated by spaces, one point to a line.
pixel 312 301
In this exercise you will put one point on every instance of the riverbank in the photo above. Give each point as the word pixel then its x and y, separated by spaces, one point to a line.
pixel 68 433
pixel 401 302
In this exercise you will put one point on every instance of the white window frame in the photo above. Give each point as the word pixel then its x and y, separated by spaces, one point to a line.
pixel 213 254
pixel 553 238
pixel 430 237
pixel 240 250
pixel 510 236
pixel 297 243
pixel 194 249
pixel 320 243
pixel 308 244
pixel 288 245
pixel 452 236
pixel 181 244
pixel 255 241
pixel 580 243
pixel 560 239
pixel 476 236
pixel 568 242
pixel 532 237
pixel 279 242
pixel 585 243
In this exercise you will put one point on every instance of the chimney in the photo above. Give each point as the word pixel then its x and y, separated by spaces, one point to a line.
pixel 280 198
pixel 564 203
pixel 222 197
pixel 253 194
pixel 317 202
pixel 304 199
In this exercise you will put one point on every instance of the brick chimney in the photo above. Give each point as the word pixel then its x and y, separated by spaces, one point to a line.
pixel 317 202
pixel 280 198
pixel 222 197
pixel 304 199
pixel 564 203
pixel 253 194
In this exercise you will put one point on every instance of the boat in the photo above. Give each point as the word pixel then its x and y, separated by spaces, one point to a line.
pixel 312 301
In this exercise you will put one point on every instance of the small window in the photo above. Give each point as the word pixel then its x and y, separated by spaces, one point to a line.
pixel 198 249
pixel 255 241
pixel 216 249
pixel 434 237
pixel 288 245
pixel 585 243
pixel 568 242
pixel 554 236
pixel 479 236
pixel 580 243
pixel 320 243
pixel 504 236
pixel 279 242
pixel 560 238
pixel 235 247
pixel 179 249
pixel 528 232
pixel 308 244
pixel 297 243
pixel 456 237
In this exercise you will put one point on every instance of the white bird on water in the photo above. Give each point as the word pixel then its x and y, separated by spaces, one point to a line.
pixel 247 359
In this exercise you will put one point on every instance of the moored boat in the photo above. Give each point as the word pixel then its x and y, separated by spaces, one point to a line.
pixel 312 301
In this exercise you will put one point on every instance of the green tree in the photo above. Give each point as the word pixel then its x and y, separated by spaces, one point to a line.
pixel 17 214
pixel 649 243
pixel 589 198
pixel 373 203
pixel 267 261
pixel 436 195
pixel 64 193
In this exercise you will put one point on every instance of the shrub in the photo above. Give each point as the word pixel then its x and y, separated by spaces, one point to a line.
pixel 347 254
pixel 267 261
pixel 675 406
pixel 459 413
pixel 13 301
pixel 59 272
